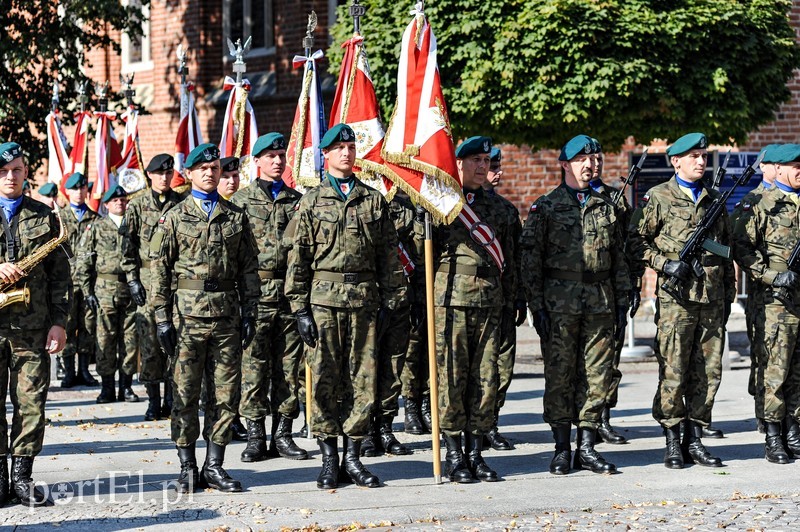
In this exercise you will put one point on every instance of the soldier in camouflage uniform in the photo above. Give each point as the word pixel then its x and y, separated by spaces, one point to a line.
pixel 576 279
pixel 414 379
pixel 204 248
pixel 691 331
pixel 29 334
pixel 229 179
pixel 275 356
pixel 82 322
pixel 99 267
pixel 141 219
pixel 765 234
pixel 343 282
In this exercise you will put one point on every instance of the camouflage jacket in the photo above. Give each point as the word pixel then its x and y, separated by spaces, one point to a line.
pixel 141 220
pixel 268 221
pixel 401 212
pixel 48 282
pixel 355 236
pixel 454 248
pixel 99 252
pixel 660 228
pixel 188 246
pixel 751 198
pixel 560 238
pixel 624 214
pixel 515 225
pixel 76 230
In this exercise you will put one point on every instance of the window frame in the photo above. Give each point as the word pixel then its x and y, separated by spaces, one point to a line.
pixel 269 28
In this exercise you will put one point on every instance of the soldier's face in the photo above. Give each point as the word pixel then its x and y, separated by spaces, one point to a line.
pixel 769 171
pixel 474 169
pixel 598 166
pixel 205 176
pixel 159 181
pixel 789 174
pixel 117 206
pixel 495 174
pixel 691 165
pixel 579 171
pixel 12 176
pixel 341 157
pixel 228 183
pixel 271 164
pixel 77 196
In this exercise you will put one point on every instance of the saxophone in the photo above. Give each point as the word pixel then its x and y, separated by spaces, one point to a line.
pixel 9 292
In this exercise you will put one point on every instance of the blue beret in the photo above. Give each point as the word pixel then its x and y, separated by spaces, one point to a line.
pixel 786 153
pixel 338 133
pixel 495 155
pixel 597 147
pixel 115 192
pixel 163 162
pixel 76 180
pixel 48 190
pixel 270 141
pixel 474 145
pixel 576 146
pixel 8 152
pixel 204 153
pixel 770 151
pixel 688 142
pixel 229 164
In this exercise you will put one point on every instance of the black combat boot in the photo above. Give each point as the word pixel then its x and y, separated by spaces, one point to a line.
pixel 304 430
pixel 166 407
pixel 712 432
pixel 425 412
pixel 477 466
pixel 107 394
pixel 370 445
pixel 67 366
pixel 283 442
pixel 5 491
pixel 351 463
pixel 562 458
pixel 256 450
pixel 189 479
pixel 214 475
pixel 153 412
pixel 238 432
pixel 586 457
pixel 84 376
pixel 495 439
pixel 607 432
pixel 773 448
pixel 22 483
pixel 344 478
pixel 60 368
pixel 388 440
pixel 412 422
pixel 673 457
pixel 125 391
pixel 328 478
pixel 791 434
pixel 694 449
pixel 456 468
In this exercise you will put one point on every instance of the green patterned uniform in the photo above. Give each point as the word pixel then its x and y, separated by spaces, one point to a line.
pixel 690 334
pixel 275 355
pixel 213 263
pixel 82 321
pixel 99 267
pixel 344 266
pixel 24 362
pixel 573 266
pixel 141 220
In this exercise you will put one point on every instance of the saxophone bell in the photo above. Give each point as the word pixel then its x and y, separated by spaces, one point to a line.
pixel 19 295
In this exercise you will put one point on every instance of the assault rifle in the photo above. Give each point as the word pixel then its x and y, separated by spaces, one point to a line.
pixel 782 294
pixel 699 240
pixel 633 173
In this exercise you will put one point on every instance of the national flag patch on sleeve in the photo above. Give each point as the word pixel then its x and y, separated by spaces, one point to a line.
pixel 747 206
pixel 162 219
pixel 646 198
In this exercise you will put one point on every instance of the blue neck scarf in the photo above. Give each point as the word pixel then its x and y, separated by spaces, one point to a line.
pixel 79 210
pixel 786 188
pixel 275 188
pixel 695 186
pixel 10 207
pixel 581 195
pixel 596 184
pixel 767 185
pixel 342 183
pixel 208 200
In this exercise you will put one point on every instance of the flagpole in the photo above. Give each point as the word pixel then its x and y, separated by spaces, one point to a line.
pixel 308 43
pixel 432 366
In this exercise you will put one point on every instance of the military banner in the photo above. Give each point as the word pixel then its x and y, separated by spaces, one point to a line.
pixel 107 157
pixel 129 171
pixel 58 157
pixel 239 129
pixel 79 154
pixel 189 135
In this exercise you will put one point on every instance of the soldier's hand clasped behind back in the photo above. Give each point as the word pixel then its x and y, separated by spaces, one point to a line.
pixel 167 337
pixel 307 327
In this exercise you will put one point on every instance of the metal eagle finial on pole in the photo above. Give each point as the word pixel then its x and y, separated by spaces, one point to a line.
pixel 239 52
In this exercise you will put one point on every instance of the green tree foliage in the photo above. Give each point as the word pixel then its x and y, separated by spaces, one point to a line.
pixel 538 72
pixel 45 41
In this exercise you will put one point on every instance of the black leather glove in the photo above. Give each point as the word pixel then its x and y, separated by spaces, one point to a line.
pixel 248 331
pixel 726 312
pixel 787 279
pixel 167 337
pixel 137 292
pixel 541 321
pixel 419 214
pixel 92 302
pixel 677 268
pixel 522 312
pixel 620 321
pixel 382 323
pixel 307 327
pixel 635 299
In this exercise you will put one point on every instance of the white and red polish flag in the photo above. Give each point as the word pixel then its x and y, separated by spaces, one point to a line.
pixel 418 148
pixel 79 154
pixel 189 134
pixel 130 170
pixel 304 160
pixel 239 130
pixel 108 157
pixel 58 162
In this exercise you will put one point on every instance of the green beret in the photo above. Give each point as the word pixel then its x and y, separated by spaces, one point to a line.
pixel 597 147
pixel 115 192
pixel 75 181
pixel 770 151
pixel 495 155
pixel 8 152
pixel 90 186
pixel 691 141
pixel 474 145
pixel 785 154
pixel 576 146
pixel 270 141
pixel 163 162
pixel 229 164
pixel 338 133
pixel 48 190
pixel 204 153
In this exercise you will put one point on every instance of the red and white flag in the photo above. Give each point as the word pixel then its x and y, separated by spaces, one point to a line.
pixel 130 170
pixel 239 130
pixel 418 148
pixel 58 156
pixel 108 157
pixel 304 160
pixel 189 134
pixel 79 155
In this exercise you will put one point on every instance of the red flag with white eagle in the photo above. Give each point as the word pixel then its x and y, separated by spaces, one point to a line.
pixel 239 130
pixel 130 170
pixel 58 162
pixel 418 148
pixel 108 157
pixel 189 134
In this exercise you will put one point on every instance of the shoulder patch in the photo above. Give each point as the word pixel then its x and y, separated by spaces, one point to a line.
pixel 747 206
pixel 534 207
pixel 162 219
pixel 646 197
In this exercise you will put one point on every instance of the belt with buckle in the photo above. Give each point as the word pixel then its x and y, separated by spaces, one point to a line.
pixel 349 278
pixel 484 272
pixel 208 285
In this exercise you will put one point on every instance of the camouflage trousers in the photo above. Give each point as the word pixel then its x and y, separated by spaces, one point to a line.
pixel 506 356
pixel 25 373
pixel 271 365
pixel 690 338
pixel 577 368
pixel 755 317
pixel 414 377
pixel 391 359
pixel 154 364
pixel 612 395
pixel 779 378
pixel 344 370
pixel 117 342
pixel 467 343
pixel 81 326
pixel 210 349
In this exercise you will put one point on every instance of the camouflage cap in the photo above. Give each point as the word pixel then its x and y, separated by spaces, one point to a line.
pixel 163 162
pixel 75 181
pixel 338 133
pixel 270 141
pixel 8 152
pixel 48 190
pixel 688 142
pixel 115 192
pixel 204 153
pixel 229 164
pixel 473 146
pixel 576 146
